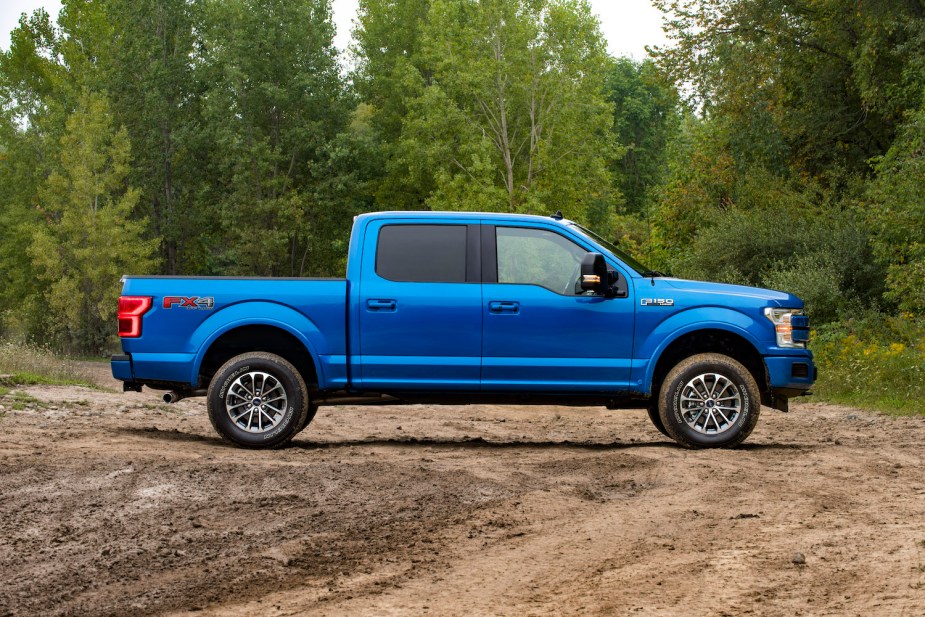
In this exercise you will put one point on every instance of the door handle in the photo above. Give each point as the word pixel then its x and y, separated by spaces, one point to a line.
pixel 382 306
pixel 499 307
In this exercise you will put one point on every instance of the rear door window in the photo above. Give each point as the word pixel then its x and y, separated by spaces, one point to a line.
pixel 422 253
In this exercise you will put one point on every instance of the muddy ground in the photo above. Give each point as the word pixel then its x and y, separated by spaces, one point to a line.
pixel 117 504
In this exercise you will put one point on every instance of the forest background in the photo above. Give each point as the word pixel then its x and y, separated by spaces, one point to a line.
pixel 778 143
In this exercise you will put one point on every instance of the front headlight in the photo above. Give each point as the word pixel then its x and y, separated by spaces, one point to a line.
pixel 784 326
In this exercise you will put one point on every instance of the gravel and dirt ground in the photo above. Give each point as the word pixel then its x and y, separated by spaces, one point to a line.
pixel 117 504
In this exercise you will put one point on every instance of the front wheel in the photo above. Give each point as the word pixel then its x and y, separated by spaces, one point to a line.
pixel 257 400
pixel 709 401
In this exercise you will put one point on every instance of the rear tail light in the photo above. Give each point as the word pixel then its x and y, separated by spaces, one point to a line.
pixel 131 308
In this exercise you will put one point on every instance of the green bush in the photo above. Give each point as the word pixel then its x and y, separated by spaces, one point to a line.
pixel 828 263
pixel 873 360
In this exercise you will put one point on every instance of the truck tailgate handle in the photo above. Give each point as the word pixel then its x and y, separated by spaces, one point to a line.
pixel 382 306
pixel 498 307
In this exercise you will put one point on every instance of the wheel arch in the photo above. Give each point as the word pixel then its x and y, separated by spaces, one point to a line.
pixel 712 339
pixel 264 335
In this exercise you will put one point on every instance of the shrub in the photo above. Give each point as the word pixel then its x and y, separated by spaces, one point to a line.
pixel 873 360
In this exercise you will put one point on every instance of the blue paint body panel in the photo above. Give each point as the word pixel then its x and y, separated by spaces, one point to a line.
pixel 367 334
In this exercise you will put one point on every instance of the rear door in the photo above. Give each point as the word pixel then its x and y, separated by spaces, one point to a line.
pixel 420 316
pixel 541 332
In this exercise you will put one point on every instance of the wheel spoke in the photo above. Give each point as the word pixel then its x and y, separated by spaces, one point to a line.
pixel 725 419
pixel 721 390
pixel 278 386
pixel 240 415
pixel 697 417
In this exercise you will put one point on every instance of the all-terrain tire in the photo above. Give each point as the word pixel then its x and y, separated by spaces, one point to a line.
pixel 656 418
pixel 709 401
pixel 312 410
pixel 257 400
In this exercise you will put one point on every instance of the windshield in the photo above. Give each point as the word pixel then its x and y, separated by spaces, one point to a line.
pixel 615 251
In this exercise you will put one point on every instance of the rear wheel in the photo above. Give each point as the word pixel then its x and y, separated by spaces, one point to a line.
pixel 258 400
pixel 709 401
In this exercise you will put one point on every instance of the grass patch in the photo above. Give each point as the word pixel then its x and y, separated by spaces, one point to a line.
pixel 876 361
pixel 23 364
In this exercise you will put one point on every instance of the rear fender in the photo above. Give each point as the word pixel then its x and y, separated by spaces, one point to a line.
pixel 259 313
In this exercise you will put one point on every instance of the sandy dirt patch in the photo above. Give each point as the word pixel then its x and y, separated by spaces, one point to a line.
pixel 116 504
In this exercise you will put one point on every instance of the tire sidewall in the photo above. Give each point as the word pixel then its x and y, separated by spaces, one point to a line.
pixel 279 369
pixel 744 422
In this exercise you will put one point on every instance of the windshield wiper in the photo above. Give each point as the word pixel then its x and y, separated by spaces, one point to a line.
pixel 653 274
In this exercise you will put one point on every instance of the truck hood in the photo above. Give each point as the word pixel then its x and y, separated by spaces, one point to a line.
pixel 777 298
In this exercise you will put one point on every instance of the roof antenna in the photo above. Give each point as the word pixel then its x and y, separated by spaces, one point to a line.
pixel 557 215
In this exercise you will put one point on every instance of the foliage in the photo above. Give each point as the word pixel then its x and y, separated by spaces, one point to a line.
pixel 873 360
pixel 897 213
pixel 646 117
pixel 500 105
pixel 273 107
pixel 774 234
pixel 89 239
pixel 816 86
pixel 155 93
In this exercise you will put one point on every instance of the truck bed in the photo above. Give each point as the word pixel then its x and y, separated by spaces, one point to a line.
pixel 189 313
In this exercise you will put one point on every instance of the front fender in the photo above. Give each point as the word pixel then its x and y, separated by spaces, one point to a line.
pixel 671 329
pixel 258 313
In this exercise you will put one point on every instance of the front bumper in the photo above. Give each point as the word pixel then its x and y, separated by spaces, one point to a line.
pixel 791 375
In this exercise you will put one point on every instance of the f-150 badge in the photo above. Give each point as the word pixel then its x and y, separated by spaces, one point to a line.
pixel 657 301
pixel 193 302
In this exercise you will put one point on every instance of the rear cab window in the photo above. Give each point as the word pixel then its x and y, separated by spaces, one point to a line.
pixel 414 253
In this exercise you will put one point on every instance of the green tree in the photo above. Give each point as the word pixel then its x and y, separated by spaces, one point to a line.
pixel 41 75
pixel 89 238
pixel 273 104
pixel 512 116
pixel 151 82
pixel 897 214
pixel 817 86
pixel 646 118
pixel 392 71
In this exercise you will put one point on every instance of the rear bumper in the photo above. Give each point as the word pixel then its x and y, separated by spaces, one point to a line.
pixel 791 375
pixel 122 367
pixel 174 368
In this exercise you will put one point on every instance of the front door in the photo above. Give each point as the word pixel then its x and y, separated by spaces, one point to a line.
pixel 541 333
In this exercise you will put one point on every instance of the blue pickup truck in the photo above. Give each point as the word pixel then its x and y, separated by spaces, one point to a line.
pixel 449 307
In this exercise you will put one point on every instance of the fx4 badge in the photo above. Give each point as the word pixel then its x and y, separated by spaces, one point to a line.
pixel 193 302
pixel 657 302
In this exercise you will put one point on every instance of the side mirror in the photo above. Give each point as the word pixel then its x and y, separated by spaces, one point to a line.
pixel 594 275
